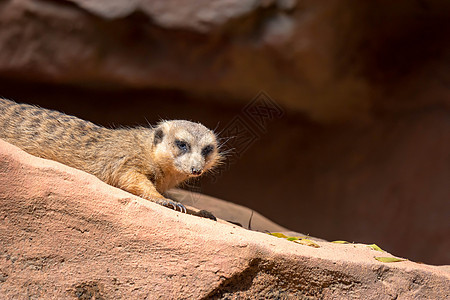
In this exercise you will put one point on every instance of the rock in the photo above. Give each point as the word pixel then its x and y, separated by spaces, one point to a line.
pixel 64 233
pixel 330 60
pixel 201 15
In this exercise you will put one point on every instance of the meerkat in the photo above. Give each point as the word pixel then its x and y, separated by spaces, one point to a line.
pixel 143 161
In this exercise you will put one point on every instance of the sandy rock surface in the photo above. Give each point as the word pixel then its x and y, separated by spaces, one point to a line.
pixel 64 233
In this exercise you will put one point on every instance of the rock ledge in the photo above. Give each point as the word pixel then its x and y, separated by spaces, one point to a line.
pixel 64 233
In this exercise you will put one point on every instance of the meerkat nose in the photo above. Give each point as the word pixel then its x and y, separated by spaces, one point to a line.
pixel 196 171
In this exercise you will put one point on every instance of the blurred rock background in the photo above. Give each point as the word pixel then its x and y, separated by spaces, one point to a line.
pixel 359 149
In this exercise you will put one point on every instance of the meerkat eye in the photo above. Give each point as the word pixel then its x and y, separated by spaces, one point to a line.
pixel 207 150
pixel 183 146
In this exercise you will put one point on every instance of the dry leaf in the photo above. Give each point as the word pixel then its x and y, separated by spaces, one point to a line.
pixel 278 235
pixel 375 247
pixel 307 242
pixel 389 259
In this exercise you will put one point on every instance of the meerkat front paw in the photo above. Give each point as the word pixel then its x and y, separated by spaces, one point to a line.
pixel 180 207
pixel 172 204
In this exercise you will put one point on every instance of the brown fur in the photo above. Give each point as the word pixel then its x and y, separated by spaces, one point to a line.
pixel 143 161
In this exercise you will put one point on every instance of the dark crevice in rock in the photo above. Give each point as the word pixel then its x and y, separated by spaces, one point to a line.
pixel 238 282
pixel 270 278
pixel 305 282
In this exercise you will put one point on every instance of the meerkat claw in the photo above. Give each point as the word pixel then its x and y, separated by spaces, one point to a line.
pixel 182 208
pixel 175 206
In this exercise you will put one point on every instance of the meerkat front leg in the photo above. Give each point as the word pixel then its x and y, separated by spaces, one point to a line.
pixel 138 184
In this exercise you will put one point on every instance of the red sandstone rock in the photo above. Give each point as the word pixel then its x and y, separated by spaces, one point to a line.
pixel 64 233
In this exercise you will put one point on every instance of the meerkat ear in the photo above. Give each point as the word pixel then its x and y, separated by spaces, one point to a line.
pixel 159 135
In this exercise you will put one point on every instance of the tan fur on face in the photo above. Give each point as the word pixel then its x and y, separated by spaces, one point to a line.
pixel 173 161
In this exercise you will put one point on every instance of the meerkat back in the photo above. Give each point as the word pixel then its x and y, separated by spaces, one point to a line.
pixel 47 133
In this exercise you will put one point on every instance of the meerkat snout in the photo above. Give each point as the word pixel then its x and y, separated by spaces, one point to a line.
pixel 196 171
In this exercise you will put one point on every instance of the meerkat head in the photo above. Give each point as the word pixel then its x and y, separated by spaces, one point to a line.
pixel 186 148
